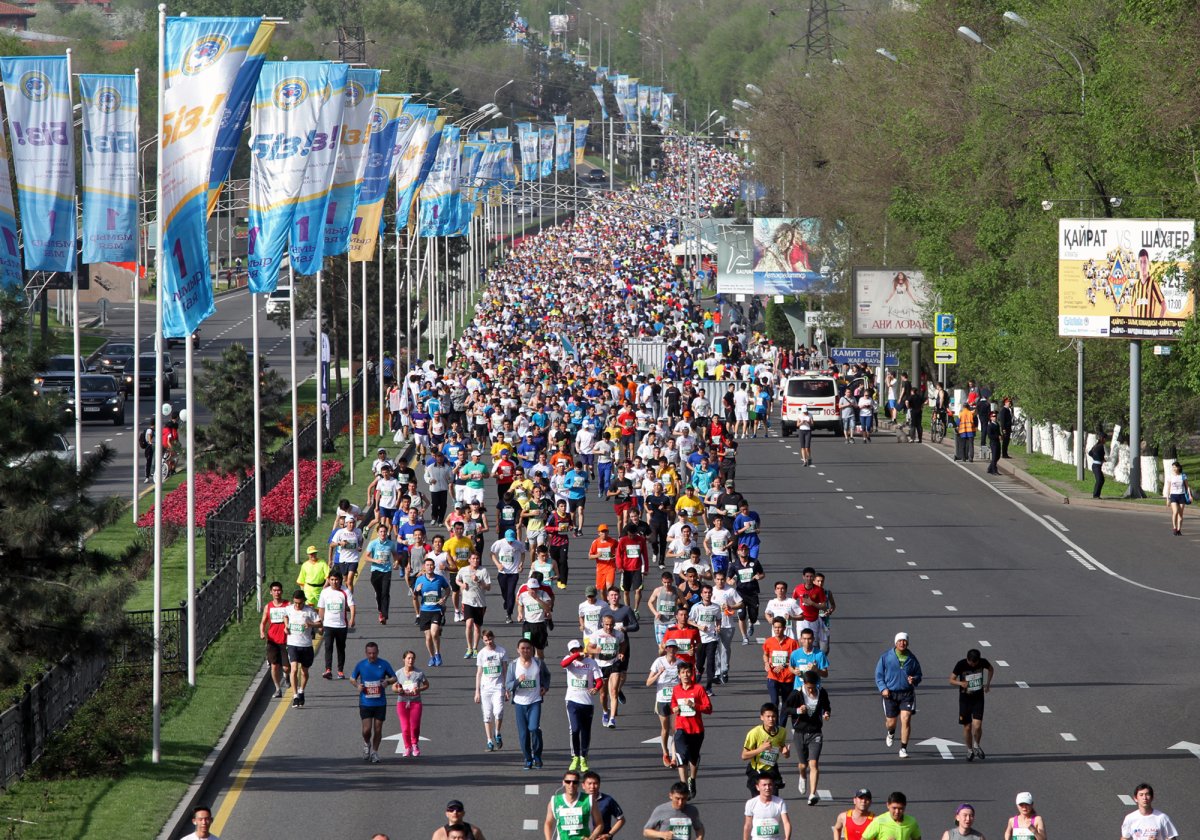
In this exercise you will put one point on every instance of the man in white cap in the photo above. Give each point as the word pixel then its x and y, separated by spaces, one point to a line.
pixel 897 676
pixel 584 682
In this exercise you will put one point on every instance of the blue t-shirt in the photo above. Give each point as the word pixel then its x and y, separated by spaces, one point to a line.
pixel 702 479
pixel 371 676
pixel 577 484
pixel 749 538
pixel 799 659
pixel 382 554
pixel 429 591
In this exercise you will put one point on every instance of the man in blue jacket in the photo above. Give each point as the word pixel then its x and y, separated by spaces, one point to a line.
pixel 897 676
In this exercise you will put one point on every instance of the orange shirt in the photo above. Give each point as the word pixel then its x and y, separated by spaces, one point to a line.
pixel 773 649
pixel 602 546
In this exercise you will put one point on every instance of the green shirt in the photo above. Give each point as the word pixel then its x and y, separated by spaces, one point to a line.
pixel 474 475
pixel 884 827
pixel 572 822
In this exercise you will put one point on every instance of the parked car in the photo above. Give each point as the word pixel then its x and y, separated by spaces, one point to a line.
pixel 114 355
pixel 59 448
pixel 279 300
pixel 178 342
pixel 169 371
pixel 146 380
pixel 101 397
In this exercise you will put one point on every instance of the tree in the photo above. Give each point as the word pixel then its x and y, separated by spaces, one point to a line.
pixel 226 444
pixel 58 596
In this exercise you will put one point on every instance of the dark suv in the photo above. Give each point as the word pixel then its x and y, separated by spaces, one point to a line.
pixel 113 357
pixel 101 396
pixel 146 376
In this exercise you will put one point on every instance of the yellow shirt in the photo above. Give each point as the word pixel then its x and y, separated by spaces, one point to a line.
pixel 693 505
pixel 312 578
pixel 459 549
pixel 770 758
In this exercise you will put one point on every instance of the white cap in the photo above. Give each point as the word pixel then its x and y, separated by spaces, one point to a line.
pixel 575 644
pixel 901 635
pixel 1025 798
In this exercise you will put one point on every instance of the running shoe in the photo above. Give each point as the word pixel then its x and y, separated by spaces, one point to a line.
pixel 802 786
pixel 604 719
pixel 970 754
pixel 745 640
pixel 692 788
pixel 508 619
pixel 328 675
pixel 433 661
pixel 537 764
pixel 374 758
pixel 814 799
pixel 890 739
pixel 416 751
pixel 499 741
pixel 612 722
pixel 574 763
pixel 621 697
pixel 903 752
pixel 583 765
pixel 561 585
pixel 300 697
pixel 979 753
pixel 458 616
pixel 491 746
pixel 341 675
pixel 437 660
pixel 366 751
pixel 467 655
pixel 278 693
pixel 528 765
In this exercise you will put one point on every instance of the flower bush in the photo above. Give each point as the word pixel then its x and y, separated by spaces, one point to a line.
pixel 277 504
pixel 211 490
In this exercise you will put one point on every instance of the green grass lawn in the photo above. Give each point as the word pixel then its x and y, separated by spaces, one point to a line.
pixel 1061 477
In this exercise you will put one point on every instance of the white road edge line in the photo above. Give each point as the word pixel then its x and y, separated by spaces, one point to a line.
pixel 1057 524
pixel 1025 509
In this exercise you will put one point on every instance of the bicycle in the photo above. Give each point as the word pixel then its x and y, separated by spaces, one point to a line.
pixel 937 429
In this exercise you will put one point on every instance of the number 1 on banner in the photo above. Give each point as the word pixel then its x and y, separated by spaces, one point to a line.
pixel 252 239
pixel 302 227
pixel 111 216
pixel 177 250
pixel 10 241
pixel 331 212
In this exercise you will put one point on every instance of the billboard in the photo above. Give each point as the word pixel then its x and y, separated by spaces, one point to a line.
pixel 891 302
pixel 773 257
pixel 735 256
pixel 1124 278
pixel 558 23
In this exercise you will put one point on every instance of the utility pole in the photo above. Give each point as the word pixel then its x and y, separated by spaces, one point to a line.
pixel 818 37
pixel 352 45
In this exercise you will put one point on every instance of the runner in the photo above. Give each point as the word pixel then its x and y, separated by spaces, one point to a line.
pixel 348 541
pixel 664 676
pixel 273 629
pixel 705 616
pixel 535 605
pixel 1147 822
pixel 458 550
pixel 968 675
pixel 685 636
pixel 766 813
pixel 312 576
pixel 301 619
pixel 633 559
pixel 525 684
pixel 336 609
pixel 809 708
pixel 490 663
pixel 689 703
pixel 826 612
pixel 612 655
pixel 746 573
pixel 589 613
pixel 777 654
pixel 964 820
pixel 895 824
pixel 202 819
pixel 383 551
pixel 811 599
pixel 676 819
pixel 663 602
pixel 569 814
pixel 508 555
pixel 410 685
pixel 851 824
pixel 764 745
pixel 606 812
pixel 474 583
pixel 431 590
pixel 371 677
pixel 1028 823
pixel 805 659
pixel 558 530
pixel 781 606
pixel 897 676
pixel 455 826
pixel 584 682
pixel 577 487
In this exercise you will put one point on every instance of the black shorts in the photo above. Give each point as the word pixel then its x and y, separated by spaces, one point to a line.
pixel 618 666
pixel 899 701
pixel 474 613
pixel 970 707
pixel 808 746
pixel 432 617
pixel 575 504
pixel 536 633
pixel 302 654
pixel 454 587
pixel 373 712
pixel 663 709
pixel 275 653
pixel 687 746
pixel 631 581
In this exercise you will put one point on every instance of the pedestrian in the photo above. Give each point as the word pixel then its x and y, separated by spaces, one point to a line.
pixel 809 708
pixel 1147 822
pixel 804 426
pixel 1097 457
pixel 371 677
pixel 606 812
pixel 312 575
pixel 146 442
pixel 766 814
pixel 1008 419
pixel 1028 823
pixel 897 675
pixel 916 408
pixel 964 821
pixel 273 630
pixel 300 620
pixel 993 442
pixel 569 814
pixel 410 685
pixel 675 819
pixel 1178 494
pixel 689 703
pixel 336 610
pixel 763 746
pixel 851 824
pixel 490 662
pixel 202 818
pixel 965 448
pixel 455 811
pixel 969 676
pixel 895 824
pixel 525 684
pixel 584 682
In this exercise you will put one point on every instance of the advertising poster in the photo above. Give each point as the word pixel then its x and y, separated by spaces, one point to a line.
pixel 891 302
pixel 1124 278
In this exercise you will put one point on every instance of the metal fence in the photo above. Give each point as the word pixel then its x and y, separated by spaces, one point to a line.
pixel 137 649
pixel 43 709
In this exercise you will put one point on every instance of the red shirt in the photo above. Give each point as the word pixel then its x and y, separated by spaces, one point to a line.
pixel 688 636
pixel 815 593
pixel 627 420
pixel 698 697
pixel 633 554
pixel 505 470
pixel 773 645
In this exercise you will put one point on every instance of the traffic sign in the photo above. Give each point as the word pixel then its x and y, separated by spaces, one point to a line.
pixel 945 357
pixel 945 342
pixel 944 323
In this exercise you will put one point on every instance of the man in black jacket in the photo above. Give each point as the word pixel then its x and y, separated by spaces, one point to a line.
pixel 1006 417
pixel 809 708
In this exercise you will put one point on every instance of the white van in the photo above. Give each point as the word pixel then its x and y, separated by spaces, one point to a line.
pixel 279 300
pixel 818 392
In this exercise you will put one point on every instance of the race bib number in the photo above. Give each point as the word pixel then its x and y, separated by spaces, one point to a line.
pixel 745 575
pixel 527 684
pixel 974 682
pixel 570 819
pixel 779 657
pixel 461 554
pixel 577 482
pixel 278 615
pixel 731 510
pixel 684 645
pixel 604 554
pixel 681 827
pixel 718 545
pixel 408 687
pixel 508 512
pixel 608 648
pixel 769 757
pixel 664 694
pixel 533 612
pixel 491 670
pixel 765 827
pixel 373 688
pixel 751 526
pixel 296 627
pixel 429 598
pixel 578 682
pixel 633 551
pixel 686 709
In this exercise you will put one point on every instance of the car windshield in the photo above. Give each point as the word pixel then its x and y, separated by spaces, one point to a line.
pixel 61 363
pixel 118 350
pixel 98 383
pixel 810 388
pixel 281 294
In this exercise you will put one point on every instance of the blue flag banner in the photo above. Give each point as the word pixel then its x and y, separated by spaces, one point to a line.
pixel 563 132
pixel 368 215
pixel 599 91
pixel 412 159
pixel 200 64
pixel 37 96
pixel 11 276
pixel 308 221
pixel 110 168
pixel 287 107
pixel 546 138
pixel 361 87
pixel 439 200
pixel 527 137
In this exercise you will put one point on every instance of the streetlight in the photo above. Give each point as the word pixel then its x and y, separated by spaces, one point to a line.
pixel 1017 20
pixel 888 54
pixel 971 35
pixel 502 87
pixel 447 96
pixel 754 89
pixel 742 105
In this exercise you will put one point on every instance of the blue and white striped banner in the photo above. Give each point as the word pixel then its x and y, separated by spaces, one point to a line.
pixel 110 168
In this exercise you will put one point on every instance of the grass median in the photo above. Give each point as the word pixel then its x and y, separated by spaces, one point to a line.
pixel 137 797
pixel 1061 477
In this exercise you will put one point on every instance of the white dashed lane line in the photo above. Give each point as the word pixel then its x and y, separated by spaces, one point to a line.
pixel 901 551
pixel 1022 684
pixel 968 625
pixel 530 825
pixel 1044 709
pixel 935 592
pixel 531 790
pixel 912 562
pixel 1002 663
pixel 890 539
pixel 924 577
pixel 951 609
pixel 1067 736
pixel 983 643
pixel 1127 799
pixel 1095 765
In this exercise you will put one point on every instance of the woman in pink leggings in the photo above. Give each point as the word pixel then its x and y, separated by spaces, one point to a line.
pixel 409 686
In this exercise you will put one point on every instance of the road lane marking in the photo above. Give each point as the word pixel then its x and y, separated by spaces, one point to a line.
pixel 1067 736
pixel 951 609
pixel 1082 562
pixel 1002 663
pixel 1127 799
pixel 829 481
pixel 858 507
pixel 839 489
pixel 1044 709
pixel 935 592
pixel 530 825
pixel 1022 684
pixel 968 625
pixel 1095 765
pixel 1067 540
pixel 901 551
pixel 825 795
pixel 912 562
pixel 247 769
pixel 1057 524
pixel 821 474
pixel 924 577
pixel 982 643
pixel 878 527
pixel 890 539
pixel 851 498
pixel 531 790
pixel 869 516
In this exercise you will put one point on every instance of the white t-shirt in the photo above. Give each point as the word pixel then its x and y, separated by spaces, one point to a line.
pixel 490 664
pixel 719 541
pixel 668 678
pixel 581 676
pixel 1153 826
pixel 337 604
pixel 766 818
pixel 348 553
pixel 590 613
pixel 471 583
pixel 783 608
pixel 299 633
pixel 510 556
pixel 726 598
pixel 535 610
pixel 389 493
pixel 707 617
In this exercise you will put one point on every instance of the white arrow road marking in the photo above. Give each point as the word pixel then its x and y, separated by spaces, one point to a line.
pixel 1127 799
pixel 825 795
pixel 653 741
pixel 532 790
pixel 530 825
pixel 398 738
pixel 942 745
pixel 1194 749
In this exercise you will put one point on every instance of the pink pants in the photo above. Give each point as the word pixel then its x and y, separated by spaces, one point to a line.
pixel 410 722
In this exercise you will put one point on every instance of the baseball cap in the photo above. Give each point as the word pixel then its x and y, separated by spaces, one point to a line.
pixel 381 449
pixel 312 549
pixel 862 793
pixel 671 643
pixel 454 805
pixel 603 526
pixel 1025 798
pixel 574 644
pixel 591 590
pixel 510 534
pixel 900 636
pixel 476 452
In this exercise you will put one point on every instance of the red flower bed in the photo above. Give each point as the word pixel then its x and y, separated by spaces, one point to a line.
pixel 211 490
pixel 277 504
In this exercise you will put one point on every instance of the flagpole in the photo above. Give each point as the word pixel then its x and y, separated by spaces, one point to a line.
pixel 256 376
pixel 399 310
pixel 137 311
pixel 295 415
pixel 320 395
pixel 74 315
pixel 156 691
pixel 366 406
pixel 379 338
pixel 350 353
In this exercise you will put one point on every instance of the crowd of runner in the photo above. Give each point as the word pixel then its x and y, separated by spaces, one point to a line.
pixel 556 486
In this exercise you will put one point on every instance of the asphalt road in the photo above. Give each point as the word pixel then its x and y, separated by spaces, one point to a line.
pixel 230 324
pixel 1095 678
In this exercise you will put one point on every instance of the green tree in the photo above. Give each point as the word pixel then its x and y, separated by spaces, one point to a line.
pixel 58 595
pixel 226 444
